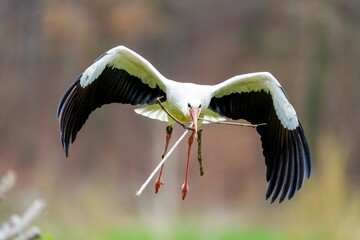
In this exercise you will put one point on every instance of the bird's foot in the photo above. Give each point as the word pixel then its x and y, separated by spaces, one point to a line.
pixel 158 184
pixel 185 189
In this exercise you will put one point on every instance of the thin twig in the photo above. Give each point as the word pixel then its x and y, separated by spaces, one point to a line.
pixel 200 160
pixel 17 224
pixel 138 193
pixel 7 182
pixel 174 118
pixel 234 123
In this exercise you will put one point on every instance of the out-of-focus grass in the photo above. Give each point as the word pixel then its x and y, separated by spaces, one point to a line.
pixel 179 232
pixel 196 234
pixel 330 206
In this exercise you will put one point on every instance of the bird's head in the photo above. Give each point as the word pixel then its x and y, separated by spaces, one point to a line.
pixel 193 110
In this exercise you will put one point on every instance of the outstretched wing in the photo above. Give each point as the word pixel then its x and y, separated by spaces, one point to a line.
pixel 259 98
pixel 118 76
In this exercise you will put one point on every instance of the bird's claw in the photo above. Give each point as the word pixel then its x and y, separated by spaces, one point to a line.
pixel 158 184
pixel 185 189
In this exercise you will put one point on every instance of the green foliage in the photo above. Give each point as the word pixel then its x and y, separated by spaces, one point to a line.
pixel 250 234
pixel 47 237
pixel 195 234
pixel 131 234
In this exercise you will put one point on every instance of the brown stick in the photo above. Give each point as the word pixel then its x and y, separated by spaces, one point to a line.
pixel 235 123
pixel 174 118
pixel 200 159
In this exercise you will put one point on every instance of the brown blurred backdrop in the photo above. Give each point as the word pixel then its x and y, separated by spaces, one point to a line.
pixel 311 47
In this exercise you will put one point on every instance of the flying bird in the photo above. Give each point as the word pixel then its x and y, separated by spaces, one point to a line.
pixel 122 76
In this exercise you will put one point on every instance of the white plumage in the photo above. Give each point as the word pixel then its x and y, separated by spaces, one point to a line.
pixel 123 76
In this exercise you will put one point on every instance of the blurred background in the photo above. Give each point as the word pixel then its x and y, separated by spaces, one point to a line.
pixel 312 47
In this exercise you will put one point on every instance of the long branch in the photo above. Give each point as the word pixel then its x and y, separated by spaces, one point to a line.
pixel 234 123
pixel 161 163
pixel 174 118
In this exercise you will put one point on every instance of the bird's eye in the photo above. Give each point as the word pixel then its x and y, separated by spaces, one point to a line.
pixel 189 105
pixel 200 106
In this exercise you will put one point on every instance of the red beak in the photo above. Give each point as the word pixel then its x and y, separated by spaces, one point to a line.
pixel 194 114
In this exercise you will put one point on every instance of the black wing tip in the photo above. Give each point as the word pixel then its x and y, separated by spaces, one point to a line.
pixel 66 95
pixel 276 185
pixel 67 154
pixel 66 150
pixel 288 195
pixel 308 161
pixel 65 146
pixel 63 114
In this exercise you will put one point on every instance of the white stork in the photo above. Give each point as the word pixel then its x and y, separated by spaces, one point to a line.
pixel 123 76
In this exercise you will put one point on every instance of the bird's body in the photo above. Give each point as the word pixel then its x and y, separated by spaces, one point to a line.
pixel 123 76
pixel 177 105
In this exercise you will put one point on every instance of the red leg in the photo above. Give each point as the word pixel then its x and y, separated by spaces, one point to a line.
pixel 159 181
pixel 185 186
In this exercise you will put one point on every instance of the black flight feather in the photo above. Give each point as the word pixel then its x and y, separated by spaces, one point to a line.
pixel 286 152
pixel 112 86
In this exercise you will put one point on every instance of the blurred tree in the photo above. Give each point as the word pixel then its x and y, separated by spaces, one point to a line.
pixel 312 47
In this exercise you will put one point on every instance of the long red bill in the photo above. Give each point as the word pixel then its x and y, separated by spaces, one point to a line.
pixel 194 114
